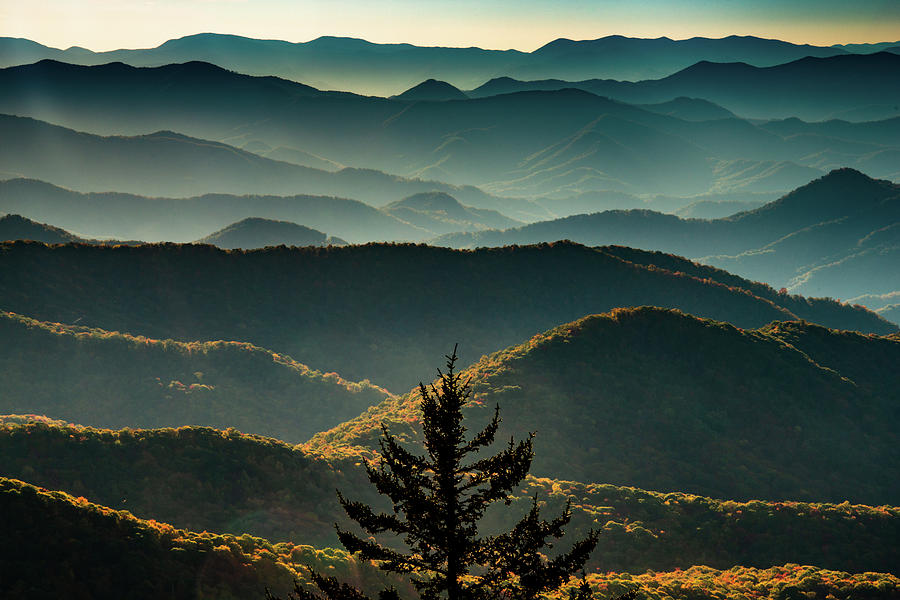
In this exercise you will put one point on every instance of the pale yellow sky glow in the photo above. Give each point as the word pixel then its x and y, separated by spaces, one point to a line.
pixel 524 25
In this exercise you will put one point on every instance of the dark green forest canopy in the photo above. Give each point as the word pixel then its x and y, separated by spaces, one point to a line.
pixel 147 559
pixel 225 481
pixel 368 312
pixel 109 379
pixel 666 401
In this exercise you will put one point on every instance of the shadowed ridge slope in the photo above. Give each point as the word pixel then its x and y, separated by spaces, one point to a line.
pixel 17 227
pixel 140 559
pixel 109 379
pixel 836 194
pixel 382 296
pixel 824 311
pixel 663 400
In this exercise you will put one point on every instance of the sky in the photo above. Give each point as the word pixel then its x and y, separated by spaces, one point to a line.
pixel 497 24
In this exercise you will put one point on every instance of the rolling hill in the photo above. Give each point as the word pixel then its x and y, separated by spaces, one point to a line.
pixel 183 564
pixel 17 227
pixel 375 312
pixel 619 398
pixel 103 553
pixel 110 379
pixel 254 232
pixel 287 495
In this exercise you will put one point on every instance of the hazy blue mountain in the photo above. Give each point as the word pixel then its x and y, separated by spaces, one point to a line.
pixel 843 218
pixel 292 155
pixel 716 209
pixel 709 205
pixel 619 57
pixel 868 48
pixel 174 165
pixel 254 232
pixel 830 241
pixel 891 312
pixel 557 143
pixel 690 109
pixel 432 90
pixel 809 88
pixel 129 216
pixel 870 269
pixel 442 213
pixel 357 65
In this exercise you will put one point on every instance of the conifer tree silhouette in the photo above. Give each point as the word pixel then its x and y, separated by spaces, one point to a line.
pixel 438 499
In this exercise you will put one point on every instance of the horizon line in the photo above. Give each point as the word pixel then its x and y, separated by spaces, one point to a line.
pixel 393 43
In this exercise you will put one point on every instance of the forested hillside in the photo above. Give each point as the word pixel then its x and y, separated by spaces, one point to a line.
pixel 378 312
pixel 148 559
pixel 109 379
pixel 666 401
pixel 205 479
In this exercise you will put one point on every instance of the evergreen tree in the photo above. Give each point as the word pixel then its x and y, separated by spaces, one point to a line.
pixel 438 500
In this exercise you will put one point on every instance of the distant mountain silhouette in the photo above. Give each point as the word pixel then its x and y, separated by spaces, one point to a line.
pixel 341 302
pixel 432 89
pixel 842 214
pixel 442 213
pixel 130 216
pixel 357 65
pixel 254 232
pixel 171 164
pixel 539 143
pixel 711 411
pixel 809 88
pixel 690 109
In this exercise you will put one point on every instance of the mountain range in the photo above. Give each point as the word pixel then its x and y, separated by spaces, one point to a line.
pixel 363 67
pixel 835 236
pixel 621 236
pixel 120 215
pixel 536 143
pixel 811 88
